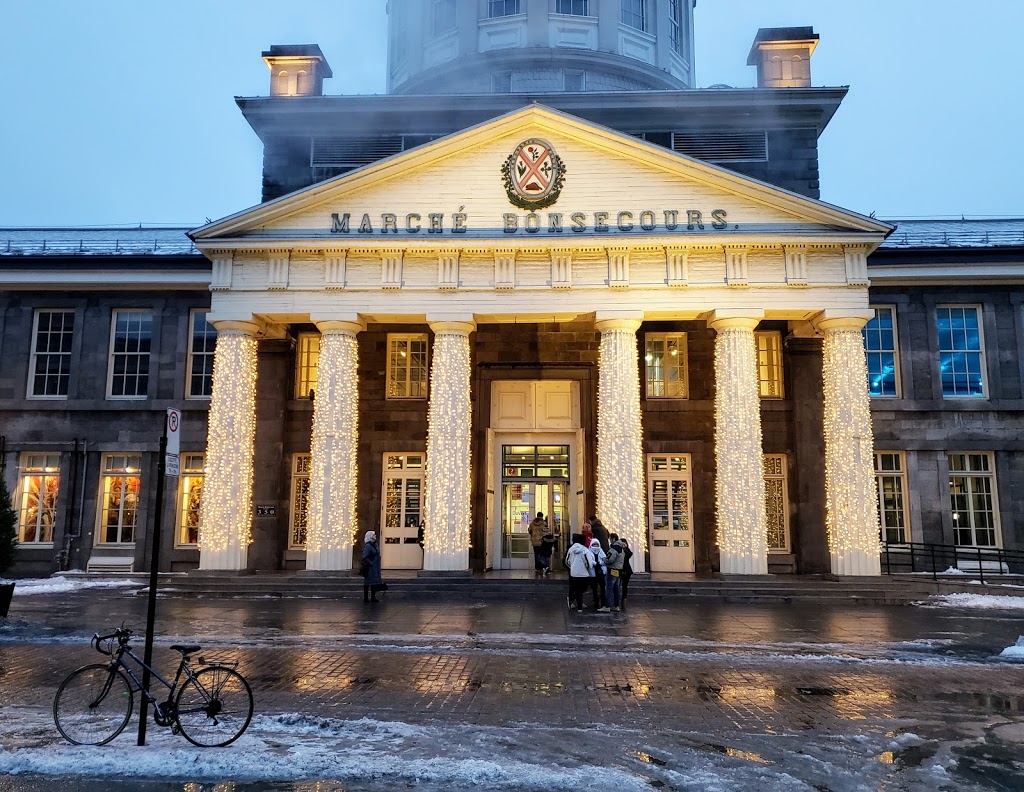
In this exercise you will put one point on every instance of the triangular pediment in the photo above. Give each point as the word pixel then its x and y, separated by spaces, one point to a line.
pixel 613 188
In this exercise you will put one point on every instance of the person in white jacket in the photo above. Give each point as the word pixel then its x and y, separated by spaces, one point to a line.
pixel 598 573
pixel 579 561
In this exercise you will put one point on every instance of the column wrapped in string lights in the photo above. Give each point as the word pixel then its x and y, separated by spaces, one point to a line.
pixel 447 491
pixel 226 506
pixel 851 497
pixel 620 453
pixel 331 524
pixel 739 479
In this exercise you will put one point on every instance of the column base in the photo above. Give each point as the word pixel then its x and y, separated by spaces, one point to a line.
pixel 857 565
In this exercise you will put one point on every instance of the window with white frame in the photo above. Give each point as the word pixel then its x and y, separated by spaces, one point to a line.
pixel 573 7
pixel 403 490
pixel 961 350
pixel 191 498
pixel 407 366
pixel 38 488
pixel 442 18
pixel 130 343
pixel 201 347
pixel 119 498
pixel 501 82
pixel 665 364
pixel 776 502
pixel 880 350
pixel 769 364
pixel 668 495
pixel 891 477
pixel 500 8
pixel 50 366
pixel 972 499
pixel 298 520
pixel 634 13
pixel 307 363
pixel 573 81
pixel 677 26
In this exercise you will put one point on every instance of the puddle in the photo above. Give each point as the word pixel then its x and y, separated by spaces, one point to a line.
pixel 734 753
pixel 822 691
pixel 646 757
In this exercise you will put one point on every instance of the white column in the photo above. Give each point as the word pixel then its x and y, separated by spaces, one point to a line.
pixel 447 493
pixel 851 497
pixel 333 479
pixel 620 451
pixel 739 478
pixel 226 506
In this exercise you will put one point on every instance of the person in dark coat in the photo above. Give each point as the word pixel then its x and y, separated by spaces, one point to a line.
pixel 600 533
pixel 627 567
pixel 370 569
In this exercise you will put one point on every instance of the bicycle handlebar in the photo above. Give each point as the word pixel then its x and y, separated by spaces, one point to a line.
pixel 122 634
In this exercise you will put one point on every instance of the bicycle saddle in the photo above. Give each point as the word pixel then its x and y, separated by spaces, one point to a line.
pixel 186 649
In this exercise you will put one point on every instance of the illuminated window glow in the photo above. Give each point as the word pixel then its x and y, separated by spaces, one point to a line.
pixel 407 366
pixel 776 503
pixel 38 489
pixel 891 475
pixel 299 519
pixel 769 364
pixel 307 361
pixel 119 512
pixel 191 499
pixel 972 500
pixel 665 364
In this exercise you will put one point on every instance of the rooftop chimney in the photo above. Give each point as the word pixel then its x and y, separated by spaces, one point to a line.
pixel 783 56
pixel 296 69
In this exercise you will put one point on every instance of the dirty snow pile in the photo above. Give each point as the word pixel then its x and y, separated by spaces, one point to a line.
pixel 977 601
pixel 62 585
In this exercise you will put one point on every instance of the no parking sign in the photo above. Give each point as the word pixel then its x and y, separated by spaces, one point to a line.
pixel 173 442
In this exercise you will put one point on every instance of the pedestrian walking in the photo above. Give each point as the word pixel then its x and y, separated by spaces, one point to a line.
pixel 600 571
pixel 600 533
pixel 547 545
pixel 616 560
pixel 370 568
pixel 627 568
pixel 578 561
pixel 539 527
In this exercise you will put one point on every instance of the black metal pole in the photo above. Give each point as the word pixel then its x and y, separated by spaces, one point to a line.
pixel 154 568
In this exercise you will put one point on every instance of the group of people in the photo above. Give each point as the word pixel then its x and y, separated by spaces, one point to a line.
pixel 600 561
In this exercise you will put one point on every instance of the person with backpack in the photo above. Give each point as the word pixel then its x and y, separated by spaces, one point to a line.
pixel 627 568
pixel 616 560
pixel 599 573
pixel 579 561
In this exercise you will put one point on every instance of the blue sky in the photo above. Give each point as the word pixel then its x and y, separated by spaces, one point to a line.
pixel 122 112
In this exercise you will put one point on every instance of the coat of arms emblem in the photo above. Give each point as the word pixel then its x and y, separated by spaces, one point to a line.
pixel 533 175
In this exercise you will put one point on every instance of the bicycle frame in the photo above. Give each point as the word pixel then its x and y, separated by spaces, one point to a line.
pixel 119 662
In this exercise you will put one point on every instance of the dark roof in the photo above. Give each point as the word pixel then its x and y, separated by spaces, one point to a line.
pixel 96 242
pixel 299 51
pixel 963 233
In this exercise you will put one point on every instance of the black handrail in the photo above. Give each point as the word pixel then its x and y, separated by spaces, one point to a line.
pixel 910 557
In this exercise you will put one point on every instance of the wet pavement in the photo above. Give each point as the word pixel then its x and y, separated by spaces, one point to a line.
pixel 812 696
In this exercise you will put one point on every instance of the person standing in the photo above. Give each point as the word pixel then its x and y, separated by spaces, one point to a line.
pixel 538 527
pixel 627 567
pixel 370 568
pixel 600 533
pixel 600 570
pixel 588 534
pixel 616 559
pixel 579 562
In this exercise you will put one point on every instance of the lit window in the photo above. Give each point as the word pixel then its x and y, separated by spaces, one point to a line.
pixel 891 476
pixel 501 82
pixel 665 363
pixel 972 499
pixel 776 507
pixel 668 500
pixel 880 348
pixel 191 497
pixel 573 81
pixel 202 344
pixel 37 497
pixel 407 366
pixel 769 364
pixel 500 8
pixel 131 339
pixel 676 26
pixel 307 361
pixel 119 512
pixel 573 7
pixel 50 367
pixel 634 14
pixel 403 491
pixel 961 359
pixel 443 17
pixel 299 519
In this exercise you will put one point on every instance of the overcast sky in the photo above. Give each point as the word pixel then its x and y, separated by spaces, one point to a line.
pixel 122 111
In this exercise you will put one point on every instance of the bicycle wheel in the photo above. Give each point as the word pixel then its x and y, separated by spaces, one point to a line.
pixel 93 705
pixel 215 707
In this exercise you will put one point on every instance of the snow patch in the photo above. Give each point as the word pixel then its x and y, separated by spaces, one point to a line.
pixel 62 585
pixel 976 601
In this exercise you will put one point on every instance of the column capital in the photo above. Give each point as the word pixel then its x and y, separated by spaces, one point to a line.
pixel 831 319
pixel 605 321
pixel 352 324
pixel 248 327
pixel 727 318
pixel 462 324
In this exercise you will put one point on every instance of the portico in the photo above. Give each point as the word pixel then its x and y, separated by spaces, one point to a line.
pixel 745 256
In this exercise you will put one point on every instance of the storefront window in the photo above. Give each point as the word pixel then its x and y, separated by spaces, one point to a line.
pixel 38 490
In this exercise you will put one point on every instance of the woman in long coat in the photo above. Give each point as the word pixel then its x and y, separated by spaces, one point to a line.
pixel 370 569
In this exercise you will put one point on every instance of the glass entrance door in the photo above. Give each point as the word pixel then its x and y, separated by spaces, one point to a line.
pixel 668 481
pixel 521 501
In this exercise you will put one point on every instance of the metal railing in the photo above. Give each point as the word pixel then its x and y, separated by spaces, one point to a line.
pixel 911 557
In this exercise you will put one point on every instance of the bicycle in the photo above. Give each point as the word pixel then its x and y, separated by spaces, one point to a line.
pixel 212 708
